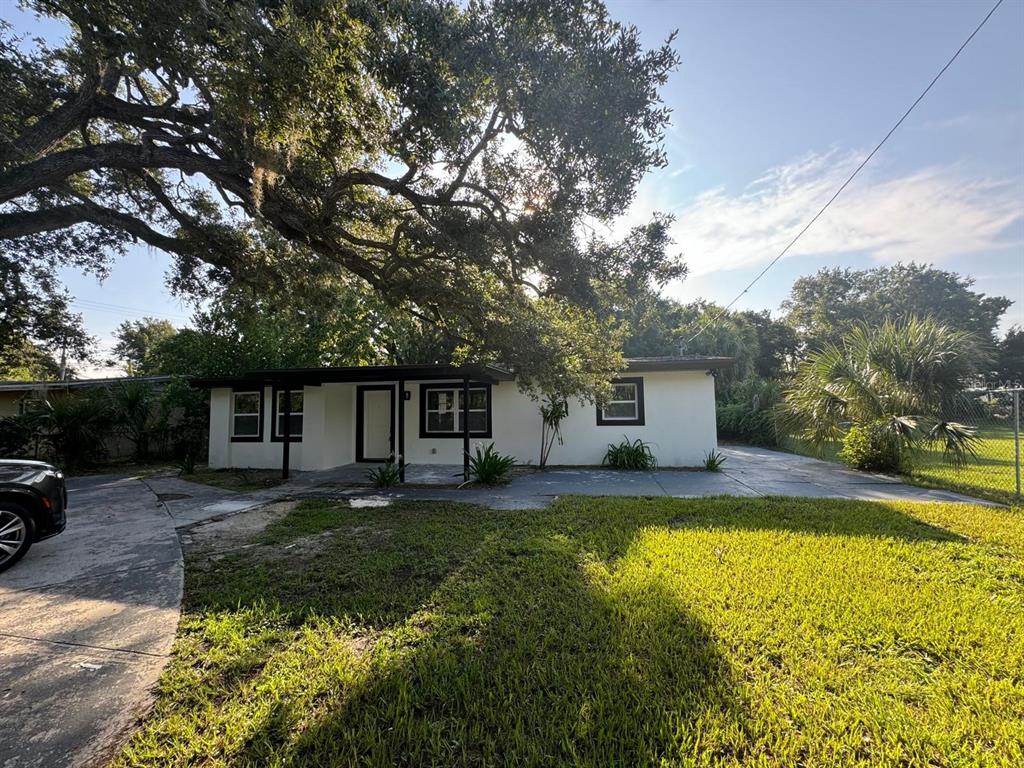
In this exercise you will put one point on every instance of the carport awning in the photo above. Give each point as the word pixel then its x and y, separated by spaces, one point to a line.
pixel 479 372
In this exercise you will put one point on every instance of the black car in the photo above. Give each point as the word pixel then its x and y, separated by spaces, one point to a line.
pixel 33 499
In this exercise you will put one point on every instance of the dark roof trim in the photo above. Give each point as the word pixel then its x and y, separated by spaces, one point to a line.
pixel 480 372
pixel 359 373
pixel 694 363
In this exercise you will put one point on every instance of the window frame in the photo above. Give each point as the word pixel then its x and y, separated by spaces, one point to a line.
pixel 258 437
pixel 638 420
pixel 457 387
pixel 275 436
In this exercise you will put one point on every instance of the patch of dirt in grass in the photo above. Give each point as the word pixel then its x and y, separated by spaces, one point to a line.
pixel 235 531
pixel 363 642
pixel 368 536
pixel 243 531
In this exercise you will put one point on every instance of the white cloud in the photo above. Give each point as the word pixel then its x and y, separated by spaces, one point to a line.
pixel 930 215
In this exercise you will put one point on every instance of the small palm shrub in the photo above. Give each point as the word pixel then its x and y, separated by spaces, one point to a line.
pixel 713 461
pixel 630 455
pixel 187 465
pixel 386 475
pixel 552 412
pixel 134 411
pixel 75 428
pixel 888 386
pixel 489 467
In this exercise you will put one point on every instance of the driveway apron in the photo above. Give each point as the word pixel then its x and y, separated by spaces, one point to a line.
pixel 87 621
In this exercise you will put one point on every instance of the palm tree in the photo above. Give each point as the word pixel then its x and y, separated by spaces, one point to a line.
pixel 897 380
pixel 134 410
pixel 74 427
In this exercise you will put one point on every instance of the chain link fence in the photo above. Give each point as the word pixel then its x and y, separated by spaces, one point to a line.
pixel 995 469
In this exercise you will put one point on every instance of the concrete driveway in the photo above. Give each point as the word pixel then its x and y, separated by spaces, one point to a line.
pixel 747 471
pixel 88 618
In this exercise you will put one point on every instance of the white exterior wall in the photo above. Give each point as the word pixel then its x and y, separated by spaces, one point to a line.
pixel 679 423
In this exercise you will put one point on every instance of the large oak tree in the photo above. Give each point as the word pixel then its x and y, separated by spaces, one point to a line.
pixel 448 155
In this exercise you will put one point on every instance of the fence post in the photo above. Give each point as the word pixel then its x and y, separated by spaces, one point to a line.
pixel 1016 437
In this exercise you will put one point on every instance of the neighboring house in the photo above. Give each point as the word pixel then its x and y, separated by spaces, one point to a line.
pixel 16 395
pixel 339 416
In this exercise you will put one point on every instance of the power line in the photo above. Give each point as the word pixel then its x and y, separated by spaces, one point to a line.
pixel 846 183
pixel 118 309
pixel 125 310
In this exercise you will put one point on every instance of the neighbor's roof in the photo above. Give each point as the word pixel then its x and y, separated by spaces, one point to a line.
pixel 45 386
pixel 476 371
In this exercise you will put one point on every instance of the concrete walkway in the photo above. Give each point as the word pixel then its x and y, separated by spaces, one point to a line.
pixel 88 618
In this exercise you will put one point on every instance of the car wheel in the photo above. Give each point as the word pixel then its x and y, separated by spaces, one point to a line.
pixel 17 529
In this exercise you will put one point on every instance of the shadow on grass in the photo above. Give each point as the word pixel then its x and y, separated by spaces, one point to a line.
pixel 503 637
pixel 527 655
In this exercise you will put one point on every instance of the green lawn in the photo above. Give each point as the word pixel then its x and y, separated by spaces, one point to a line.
pixel 989 474
pixel 604 632
pixel 991 471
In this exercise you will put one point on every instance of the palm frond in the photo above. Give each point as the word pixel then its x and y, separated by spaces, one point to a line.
pixel 959 441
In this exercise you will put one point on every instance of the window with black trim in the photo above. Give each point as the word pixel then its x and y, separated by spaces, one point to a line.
pixel 441 410
pixel 295 410
pixel 247 416
pixel 625 407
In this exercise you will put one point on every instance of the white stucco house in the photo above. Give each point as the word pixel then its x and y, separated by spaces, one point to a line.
pixel 419 413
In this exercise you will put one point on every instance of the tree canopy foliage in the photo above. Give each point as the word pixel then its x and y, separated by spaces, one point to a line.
pixel 1010 357
pixel 828 305
pixel 760 344
pixel 240 332
pixel 140 346
pixel 37 324
pixel 442 154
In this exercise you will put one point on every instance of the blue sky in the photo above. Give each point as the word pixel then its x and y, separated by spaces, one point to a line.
pixel 773 105
pixel 776 103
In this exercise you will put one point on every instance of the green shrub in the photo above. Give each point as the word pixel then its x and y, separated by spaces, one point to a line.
pixel 490 467
pixel 630 455
pixel 747 412
pixel 741 422
pixel 872 447
pixel 386 475
pixel 713 461
pixel 184 412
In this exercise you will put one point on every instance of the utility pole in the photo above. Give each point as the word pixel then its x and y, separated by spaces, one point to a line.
pixel 63 358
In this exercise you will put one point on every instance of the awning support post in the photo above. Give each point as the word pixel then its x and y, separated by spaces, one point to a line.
pixel 465 429
pixel 286 444
pixel 401 430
